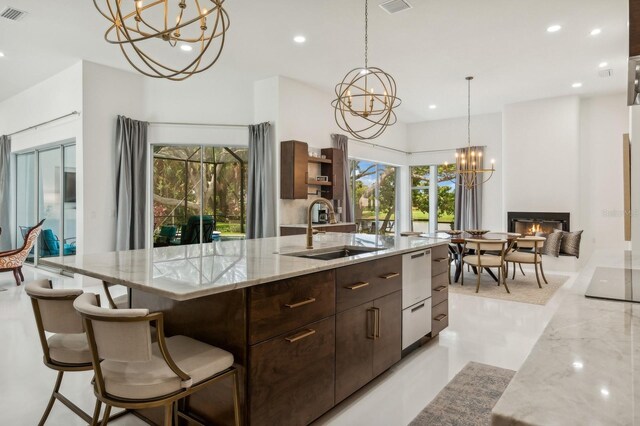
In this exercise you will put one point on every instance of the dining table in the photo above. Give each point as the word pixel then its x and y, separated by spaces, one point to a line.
pixel 457 243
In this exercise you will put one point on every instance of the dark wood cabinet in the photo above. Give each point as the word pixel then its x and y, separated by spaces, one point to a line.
pixel 354 349
pixel 387 344
pixel 634 28
pixel 295 181
pixel 439 289
pixel 294 157
pixel 291 377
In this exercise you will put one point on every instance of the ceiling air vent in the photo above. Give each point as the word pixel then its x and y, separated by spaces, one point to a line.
pixel 605 73
pixel 395 6
pixel 12 14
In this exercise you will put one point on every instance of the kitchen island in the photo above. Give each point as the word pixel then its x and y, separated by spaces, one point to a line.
pixel 305 332
pixel 585 368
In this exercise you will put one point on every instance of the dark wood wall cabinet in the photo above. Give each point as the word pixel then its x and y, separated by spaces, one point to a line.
pixel 301 344
pixel 295 180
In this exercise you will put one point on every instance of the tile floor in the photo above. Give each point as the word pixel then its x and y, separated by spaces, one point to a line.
pixel 490 331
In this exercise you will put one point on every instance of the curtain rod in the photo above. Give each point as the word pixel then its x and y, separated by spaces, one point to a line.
pixel 374 145
pixel 169 123
pixel 44 122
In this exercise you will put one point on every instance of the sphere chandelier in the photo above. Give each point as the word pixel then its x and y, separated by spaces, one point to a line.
pixel 143 30
pixel 366 97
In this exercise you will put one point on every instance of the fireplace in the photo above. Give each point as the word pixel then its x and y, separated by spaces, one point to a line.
pixel 528 223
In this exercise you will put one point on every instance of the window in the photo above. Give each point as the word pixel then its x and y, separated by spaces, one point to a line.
pixel 189 181
pixel 432 195
pixel 374 197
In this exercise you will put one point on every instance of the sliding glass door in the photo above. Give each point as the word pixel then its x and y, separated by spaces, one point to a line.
pixel 374 196
pixel 194 182
pixel 46 189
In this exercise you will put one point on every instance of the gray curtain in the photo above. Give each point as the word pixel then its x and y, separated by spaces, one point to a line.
pixel 5 193
pixel 342 142
pixel 468 205
pixel 131 183
pixel 261 194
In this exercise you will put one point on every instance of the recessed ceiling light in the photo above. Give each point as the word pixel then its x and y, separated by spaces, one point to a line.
pixel 1 54
pixel 576 85
pixel 299 39
pixel 186 47
pixel 433 106
pixel 604 392
pixel 603 64
pixel 578 365
pixel 595 31
pixel 554 28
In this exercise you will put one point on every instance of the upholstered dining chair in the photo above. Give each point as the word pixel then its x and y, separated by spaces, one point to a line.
pixel 67 349
pixel 12 260
pixel 528 251
pixel 133 372
pixel 477 259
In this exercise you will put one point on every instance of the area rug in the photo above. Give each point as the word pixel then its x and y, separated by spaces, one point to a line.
pixel 524 289
pixel 467 399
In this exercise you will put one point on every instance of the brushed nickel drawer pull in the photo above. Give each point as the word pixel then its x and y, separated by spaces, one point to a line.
pixel 442 259
pixel 441 288
pixel 357 285
pixel 417 308
pixel 440 317
pixel 415 256
pixel 301 303
pixel 390 275
pixel 300 336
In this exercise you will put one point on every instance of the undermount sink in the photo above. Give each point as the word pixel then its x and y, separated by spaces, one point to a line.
pixel 333 252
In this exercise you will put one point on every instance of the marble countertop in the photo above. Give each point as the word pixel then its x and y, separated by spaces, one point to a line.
pixel 585 368
pixel 191 271
pixel 304 225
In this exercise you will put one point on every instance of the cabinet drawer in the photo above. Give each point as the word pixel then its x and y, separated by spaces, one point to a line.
pixel 440 293
pixel 291 377
pixel 439 280
pixel 282 306
pixel 440 317
pixel 363 282
pixel 416 322
pixel 439 259
pixel 416 277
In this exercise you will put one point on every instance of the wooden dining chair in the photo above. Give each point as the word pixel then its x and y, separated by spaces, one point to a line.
pixel 528 251
pixel 479 260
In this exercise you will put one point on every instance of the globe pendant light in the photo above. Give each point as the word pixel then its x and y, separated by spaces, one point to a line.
pixel 144 31
pixel 366 97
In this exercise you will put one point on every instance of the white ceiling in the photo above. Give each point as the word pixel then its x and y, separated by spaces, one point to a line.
pixel 428 49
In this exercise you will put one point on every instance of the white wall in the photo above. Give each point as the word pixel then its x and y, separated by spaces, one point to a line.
pixel 442 137
pixel 54 97
pixel 603 122
pixel 541 158
pixel 107 93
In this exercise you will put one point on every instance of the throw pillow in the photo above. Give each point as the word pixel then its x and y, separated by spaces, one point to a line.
pixel 570 242
pixel 553 244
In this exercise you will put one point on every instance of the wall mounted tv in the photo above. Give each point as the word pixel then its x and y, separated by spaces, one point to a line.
pixel 69 187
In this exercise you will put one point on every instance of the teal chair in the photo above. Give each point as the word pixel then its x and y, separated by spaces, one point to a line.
pixel 166 236
pixel 51 245
pixel 191 231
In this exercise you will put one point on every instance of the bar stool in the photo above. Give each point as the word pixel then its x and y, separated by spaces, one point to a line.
pixel 133 372
pixel 67 349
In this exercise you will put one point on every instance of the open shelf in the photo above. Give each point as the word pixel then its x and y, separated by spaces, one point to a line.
pixel 319 183
pixel 320 160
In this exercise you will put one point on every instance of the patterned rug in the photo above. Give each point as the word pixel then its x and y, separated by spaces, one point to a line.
pixel 524 289
pixel 468 399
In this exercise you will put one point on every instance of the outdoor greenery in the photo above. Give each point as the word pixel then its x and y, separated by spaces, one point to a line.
pixel 179 191
pixel 382 178
pixel 446 192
